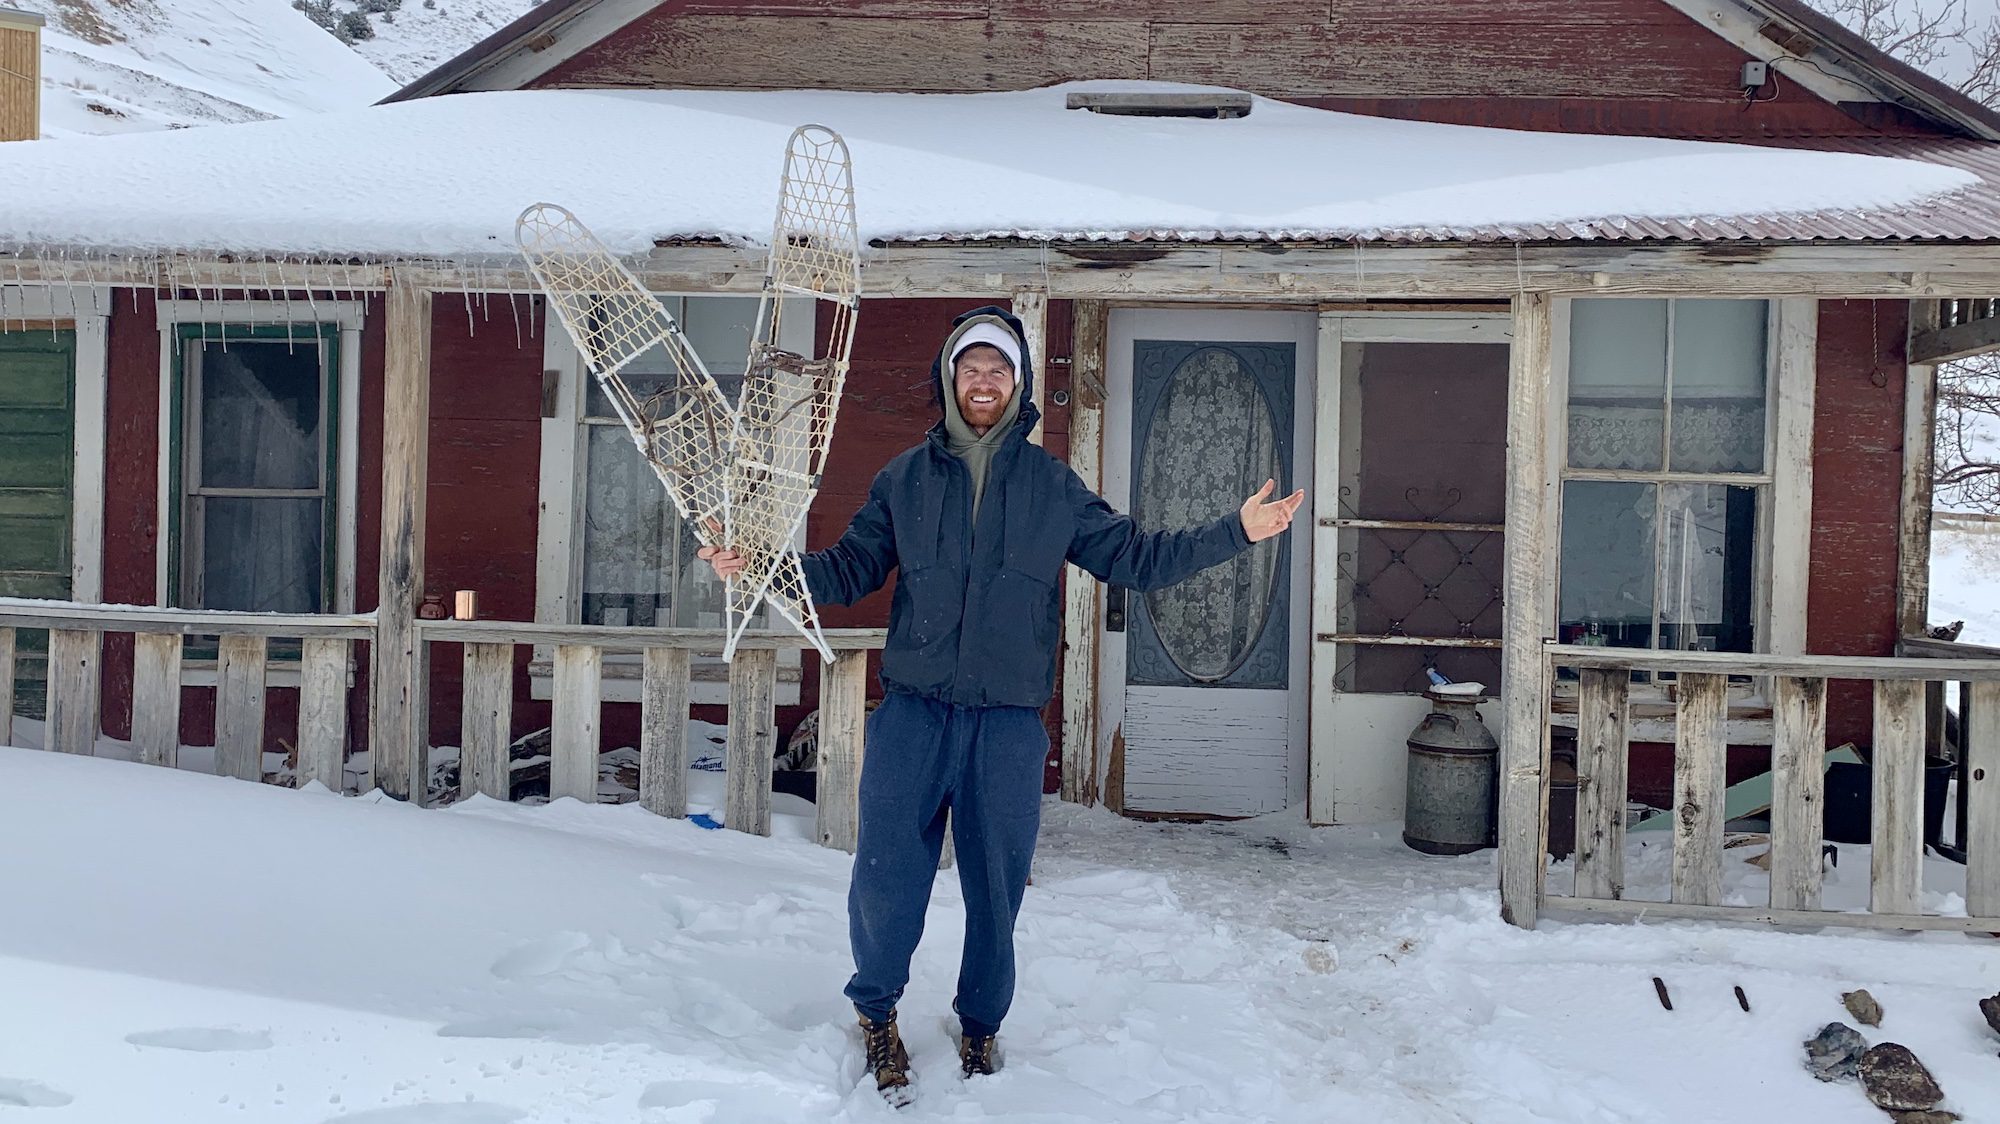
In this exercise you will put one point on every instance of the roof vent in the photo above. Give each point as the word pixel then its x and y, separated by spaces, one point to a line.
pixel 1216 106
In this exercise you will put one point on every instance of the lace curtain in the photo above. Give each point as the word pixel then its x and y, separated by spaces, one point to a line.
pixel 261 427
pixel 1210 443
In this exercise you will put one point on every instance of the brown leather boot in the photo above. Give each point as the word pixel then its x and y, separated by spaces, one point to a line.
pixel 887 1059
pixel 976 1055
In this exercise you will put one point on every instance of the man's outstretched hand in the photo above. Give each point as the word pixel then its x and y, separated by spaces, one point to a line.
pixel 727 562
pixel 1262 520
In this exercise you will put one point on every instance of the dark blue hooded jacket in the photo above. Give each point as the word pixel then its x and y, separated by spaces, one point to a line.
pixel 976 618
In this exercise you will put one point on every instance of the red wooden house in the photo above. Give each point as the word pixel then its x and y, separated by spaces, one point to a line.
pixel 1692 448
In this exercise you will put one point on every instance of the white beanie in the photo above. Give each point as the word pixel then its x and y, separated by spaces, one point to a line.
pixel 992 335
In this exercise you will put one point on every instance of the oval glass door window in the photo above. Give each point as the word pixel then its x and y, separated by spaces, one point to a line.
pixel 1209 443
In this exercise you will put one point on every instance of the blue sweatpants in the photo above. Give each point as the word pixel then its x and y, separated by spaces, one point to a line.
pixel 984 763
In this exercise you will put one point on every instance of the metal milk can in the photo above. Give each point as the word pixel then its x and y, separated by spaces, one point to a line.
pixel 1453 777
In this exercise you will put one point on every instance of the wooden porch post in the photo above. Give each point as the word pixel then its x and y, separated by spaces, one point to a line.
pixel 1082 593
pixel 398 732
pixel 1031 306
pixel 1529 571
pixel 1913 564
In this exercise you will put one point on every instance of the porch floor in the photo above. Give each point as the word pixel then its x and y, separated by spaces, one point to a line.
pixel 181 945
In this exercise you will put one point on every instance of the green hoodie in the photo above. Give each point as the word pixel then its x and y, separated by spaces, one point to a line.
pixel 976 451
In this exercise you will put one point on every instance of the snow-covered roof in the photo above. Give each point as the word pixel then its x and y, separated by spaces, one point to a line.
pixel 447 176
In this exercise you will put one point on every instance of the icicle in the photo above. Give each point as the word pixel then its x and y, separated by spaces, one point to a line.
pixel 515 310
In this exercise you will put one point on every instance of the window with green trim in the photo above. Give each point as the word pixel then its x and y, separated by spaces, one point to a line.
pixel 255 447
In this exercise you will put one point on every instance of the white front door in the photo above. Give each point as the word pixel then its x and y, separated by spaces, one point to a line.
pixel 1204 683
pixel 1408 497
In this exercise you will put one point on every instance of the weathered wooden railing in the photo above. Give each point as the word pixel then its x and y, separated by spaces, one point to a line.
pixel 576 698
pixel 1798 697
pixel 1946 737
pixel 76 645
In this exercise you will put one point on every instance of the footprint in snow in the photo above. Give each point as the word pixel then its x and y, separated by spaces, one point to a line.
pixel 18 1093
pixel 540 957
pixel 202 1039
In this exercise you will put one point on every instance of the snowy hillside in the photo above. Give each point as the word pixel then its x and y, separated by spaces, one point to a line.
pixel 412 40
pixel 112 66
pixel 121 66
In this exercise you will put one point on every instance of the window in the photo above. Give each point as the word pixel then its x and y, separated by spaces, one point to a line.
pixel 638 564
pixel 256 451
pixel 613 550
pixel 1668 473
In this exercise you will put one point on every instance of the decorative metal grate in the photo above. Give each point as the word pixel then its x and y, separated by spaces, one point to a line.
pixel 1415 593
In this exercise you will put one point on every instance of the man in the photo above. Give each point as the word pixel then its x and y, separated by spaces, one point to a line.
pixel 978 523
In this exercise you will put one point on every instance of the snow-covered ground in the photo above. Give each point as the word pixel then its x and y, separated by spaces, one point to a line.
pixel 178 947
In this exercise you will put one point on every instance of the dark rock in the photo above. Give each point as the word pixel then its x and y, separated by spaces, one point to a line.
pixel 1835 1052
pixel 1990 1007
pixel 1926 1116
pixel 1863 1007
pixel 1896 1081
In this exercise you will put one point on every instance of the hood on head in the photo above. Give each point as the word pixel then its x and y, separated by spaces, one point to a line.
pixel 982 321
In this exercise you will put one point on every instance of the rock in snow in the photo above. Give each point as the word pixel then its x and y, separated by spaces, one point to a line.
pixel 1896 1081
pixel 1835 1052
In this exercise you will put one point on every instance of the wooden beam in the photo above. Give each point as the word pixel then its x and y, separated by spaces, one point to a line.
pixel 1913 524
pixel 1602 748
pixel 663 720
pixel 399 736
pixel 25 612
pixel 486 722
pixel 1932 344
pixel 1699 781
pixel 617 638
pixel 1292 271
pixel 156 697
pixel 1798 790
pixel 843 704
pixel 72 691
pixel 1630 907
pixel 753 681
pixel 6 685
pixel 1737 663
pixel 1528 567
pixel 577 690
pixel 1031 307
pixel 1981 775
pixel 323 711
pixel 1896 813
pixel 1083 595
pixel 239 708
pixel 1789 519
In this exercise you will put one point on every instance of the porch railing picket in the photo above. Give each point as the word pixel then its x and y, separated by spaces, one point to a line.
pixel 578 689
pixel 843 693
pixel 239 707
pixel 486 720
pixel 156 697
pixel 323 711
pixel 72 691
pixel 1798 790
pixel 663 709
pixel 1602 744
pixel 1896 774
pixel 753 680
pixel 1699 768
pixel 6 686
pixel 1981 777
